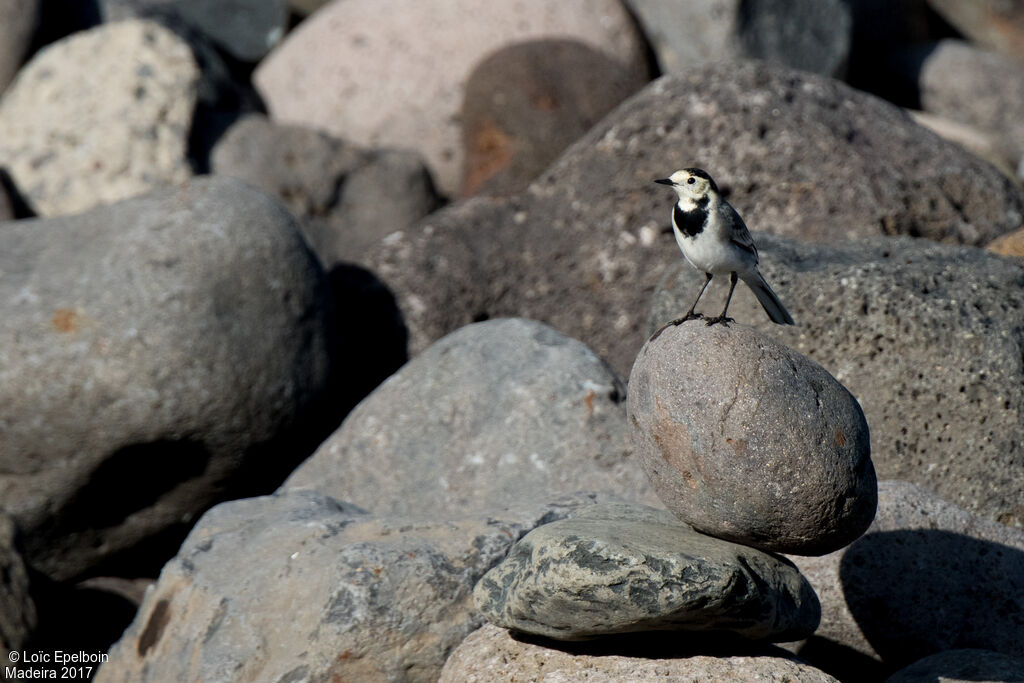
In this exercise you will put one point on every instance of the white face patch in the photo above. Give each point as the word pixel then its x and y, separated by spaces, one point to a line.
pixel 687 203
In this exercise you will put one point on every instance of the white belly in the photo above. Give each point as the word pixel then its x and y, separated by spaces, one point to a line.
pixel 710 255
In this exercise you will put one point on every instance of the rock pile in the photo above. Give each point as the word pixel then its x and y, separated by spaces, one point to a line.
pixel 198 285
pixel 756 450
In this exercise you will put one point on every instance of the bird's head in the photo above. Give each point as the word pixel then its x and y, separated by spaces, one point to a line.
pixel 692 184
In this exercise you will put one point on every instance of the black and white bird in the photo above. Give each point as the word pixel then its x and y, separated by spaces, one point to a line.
pixel 715 241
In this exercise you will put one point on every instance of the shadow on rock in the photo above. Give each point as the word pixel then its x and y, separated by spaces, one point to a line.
pixel 372 336
pixel 83 617
pixel 842 661
pixel 19 206
pixel 917 592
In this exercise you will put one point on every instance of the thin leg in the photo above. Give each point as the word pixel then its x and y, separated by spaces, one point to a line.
pixel 722 318
pixel 690 315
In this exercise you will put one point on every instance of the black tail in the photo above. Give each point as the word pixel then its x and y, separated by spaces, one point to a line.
pixel 769 301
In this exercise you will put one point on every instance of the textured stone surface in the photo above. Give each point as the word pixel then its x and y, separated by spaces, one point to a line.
pixel 926 336
pixel 17 611
pixel 925 578
pixel 1011 244
pixel 998 25
pixel 300 587
pixel 392 75
pixel 584 247
pixel 152 350
pixel 749 441
pixel 803 34
pixel 495 413
pixel 346 198
pixel 965 83
pixel 526 103
pixel 18 19
pixel 962 666
pixel 99 116
pixel 491 654
pixel 619 568
pixel 245 29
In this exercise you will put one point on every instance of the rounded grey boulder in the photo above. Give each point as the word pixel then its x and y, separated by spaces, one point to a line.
pixel 156 354
pixel 497 413
pixel 749 441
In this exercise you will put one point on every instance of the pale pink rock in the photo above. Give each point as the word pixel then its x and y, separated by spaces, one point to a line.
pixel 392 74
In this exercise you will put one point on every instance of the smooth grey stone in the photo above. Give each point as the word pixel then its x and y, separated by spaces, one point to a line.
pixel 499 412
pixel 748 440
pixel 298 586
pixel 621 568
pixel 158 353
pixel 926 336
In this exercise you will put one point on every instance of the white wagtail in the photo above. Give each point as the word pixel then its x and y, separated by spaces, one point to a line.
pixel 715 241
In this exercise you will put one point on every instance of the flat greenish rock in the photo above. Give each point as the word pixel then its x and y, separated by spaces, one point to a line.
pixel 620 568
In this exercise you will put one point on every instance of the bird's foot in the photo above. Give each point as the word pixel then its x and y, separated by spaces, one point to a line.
pixel 719 319
pixel 689 316
pixel 678 321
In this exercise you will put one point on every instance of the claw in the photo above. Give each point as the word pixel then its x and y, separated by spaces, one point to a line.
pixel 719 319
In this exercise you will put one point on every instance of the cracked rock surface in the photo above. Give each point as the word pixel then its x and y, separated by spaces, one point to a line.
pixel 621 568
pixel 749 441
pixel 298 586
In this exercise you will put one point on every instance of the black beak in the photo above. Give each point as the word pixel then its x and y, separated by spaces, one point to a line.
pixel 664 181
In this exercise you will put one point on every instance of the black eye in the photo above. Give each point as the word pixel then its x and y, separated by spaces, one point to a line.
pixel 690 181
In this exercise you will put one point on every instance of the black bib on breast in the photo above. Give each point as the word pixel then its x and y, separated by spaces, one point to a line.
pixel 691 223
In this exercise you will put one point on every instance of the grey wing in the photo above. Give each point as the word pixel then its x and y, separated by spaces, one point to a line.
pixel 739 235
